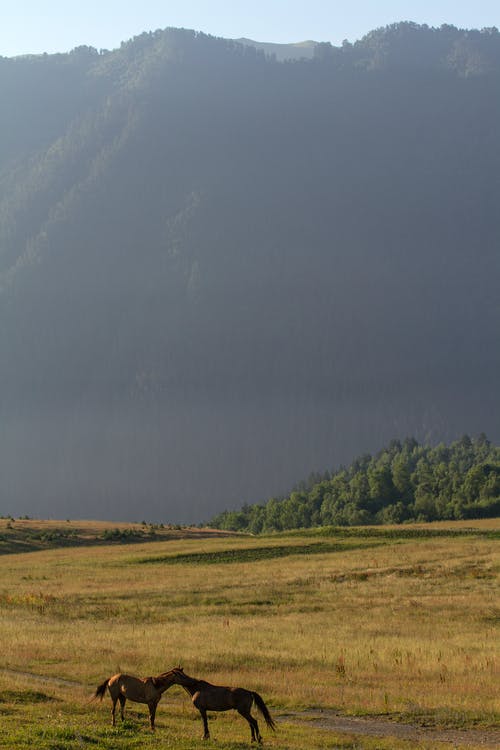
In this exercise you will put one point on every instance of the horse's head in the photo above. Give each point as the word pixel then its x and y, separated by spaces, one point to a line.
pixel 180 677
pixel 166 679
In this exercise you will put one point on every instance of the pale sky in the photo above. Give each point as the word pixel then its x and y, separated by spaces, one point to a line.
pixel 36 26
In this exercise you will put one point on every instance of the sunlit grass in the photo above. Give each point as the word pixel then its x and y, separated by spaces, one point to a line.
pixel 405 628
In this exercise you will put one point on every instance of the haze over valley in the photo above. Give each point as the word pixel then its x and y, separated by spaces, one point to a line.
pixel 220 271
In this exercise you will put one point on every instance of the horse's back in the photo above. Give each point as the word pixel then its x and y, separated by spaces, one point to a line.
pixel 116 678
pixel 128 685
pixel 218 698
pixel 119 679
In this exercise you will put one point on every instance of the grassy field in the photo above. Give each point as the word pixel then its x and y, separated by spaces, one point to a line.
pixel 397 622
pixel 29 535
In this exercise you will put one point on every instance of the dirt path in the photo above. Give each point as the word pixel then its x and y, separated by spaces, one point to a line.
pixel 39 678
pixel 327 719
pixel 382 728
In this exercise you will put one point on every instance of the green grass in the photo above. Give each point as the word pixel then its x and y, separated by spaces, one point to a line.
pixel 26 697
pixel 367 625
pixel 69 727
pixel 404 531
pixel 252 554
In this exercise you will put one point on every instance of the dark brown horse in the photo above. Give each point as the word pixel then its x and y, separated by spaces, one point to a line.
pixel 141 690
pixel 207 697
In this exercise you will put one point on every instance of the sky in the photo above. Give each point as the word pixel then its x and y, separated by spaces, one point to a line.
pixel 37 26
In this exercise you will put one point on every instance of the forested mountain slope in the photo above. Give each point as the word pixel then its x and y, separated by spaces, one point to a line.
pixel 404 482
pixel 219 272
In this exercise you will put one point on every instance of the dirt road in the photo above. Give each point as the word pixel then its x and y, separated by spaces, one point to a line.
pixel 377 727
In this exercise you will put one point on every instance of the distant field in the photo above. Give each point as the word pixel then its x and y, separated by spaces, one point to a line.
pixel 28 535
pixel 395 622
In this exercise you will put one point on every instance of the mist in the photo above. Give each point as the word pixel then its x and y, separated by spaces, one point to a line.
pixel 220 273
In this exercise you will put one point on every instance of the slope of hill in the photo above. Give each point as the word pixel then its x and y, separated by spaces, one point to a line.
pixel 282 52
pixel 31 535
pixel 404 482
pixel 219 272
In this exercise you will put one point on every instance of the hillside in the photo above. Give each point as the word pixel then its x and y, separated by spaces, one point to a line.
pixel 219 272
pixel 404 482
pixel 32 535
pixel 283 52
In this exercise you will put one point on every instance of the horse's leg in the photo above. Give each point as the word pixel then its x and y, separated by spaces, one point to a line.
pixel 152 713
pixel 113 711
pixel 200 705
pixel 257 733
pixel 122 700
pixel 254 727
pixel 203 712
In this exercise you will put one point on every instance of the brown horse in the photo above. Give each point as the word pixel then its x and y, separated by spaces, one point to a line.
pixel 207 697
pixel 141 690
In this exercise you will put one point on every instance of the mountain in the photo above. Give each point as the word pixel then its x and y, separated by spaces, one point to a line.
pixel 283 52
pixel 220 272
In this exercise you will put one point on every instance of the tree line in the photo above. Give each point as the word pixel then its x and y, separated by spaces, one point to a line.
pixel 404 482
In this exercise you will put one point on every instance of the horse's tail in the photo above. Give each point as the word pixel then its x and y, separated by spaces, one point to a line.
pixel 101 689
pixel 264 711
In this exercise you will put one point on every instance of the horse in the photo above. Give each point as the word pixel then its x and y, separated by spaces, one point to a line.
pixel 208 697
pixel 141 690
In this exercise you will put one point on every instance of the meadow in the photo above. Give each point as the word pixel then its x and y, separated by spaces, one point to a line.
pixel 397 623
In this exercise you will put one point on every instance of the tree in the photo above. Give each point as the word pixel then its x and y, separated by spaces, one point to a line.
pixel 382 490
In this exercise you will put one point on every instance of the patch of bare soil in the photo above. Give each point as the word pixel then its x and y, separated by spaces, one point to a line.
pixel 377 727
pixel 39 678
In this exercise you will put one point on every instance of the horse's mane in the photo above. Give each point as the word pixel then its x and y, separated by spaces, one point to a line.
pixel 165 677
pixel 190 684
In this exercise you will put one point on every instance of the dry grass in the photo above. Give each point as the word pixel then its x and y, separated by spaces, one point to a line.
pixel 28 535
pixel 404 627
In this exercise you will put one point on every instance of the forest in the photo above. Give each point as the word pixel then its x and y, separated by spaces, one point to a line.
pixel 220 271
pixel 405 482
